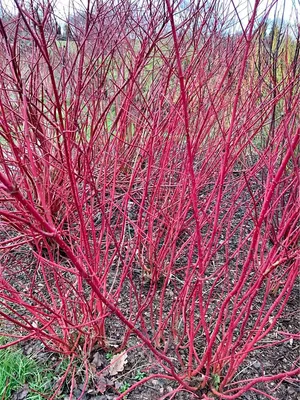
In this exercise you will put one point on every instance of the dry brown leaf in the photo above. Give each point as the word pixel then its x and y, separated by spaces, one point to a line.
pixel 117 363
pixel 22 393
pixel 101 384
pixel 97 360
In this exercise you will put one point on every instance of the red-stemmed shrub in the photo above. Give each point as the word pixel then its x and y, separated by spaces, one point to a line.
pixel 149 171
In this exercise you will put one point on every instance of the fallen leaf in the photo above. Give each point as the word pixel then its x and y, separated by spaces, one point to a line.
pixel 21 394
pixel 101 384
pixel 97 360
pixel 117 363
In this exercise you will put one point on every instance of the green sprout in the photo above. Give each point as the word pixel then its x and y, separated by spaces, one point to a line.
pixel 216 381
pixel 124 387
pixel 139 375
pixel 109 356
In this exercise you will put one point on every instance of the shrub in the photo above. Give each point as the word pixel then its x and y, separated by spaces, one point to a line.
pixel 150 180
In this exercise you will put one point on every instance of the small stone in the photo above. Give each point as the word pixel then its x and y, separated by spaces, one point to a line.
pixel 98 398
pixel 29 350
pixel 291 390
pixel 256 364
pixel 118 384
pixel 78 394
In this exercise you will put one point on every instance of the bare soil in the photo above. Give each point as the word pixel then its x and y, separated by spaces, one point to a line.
pixel 140 363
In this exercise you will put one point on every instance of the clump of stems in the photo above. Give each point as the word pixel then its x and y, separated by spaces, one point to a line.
pixel 149 179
